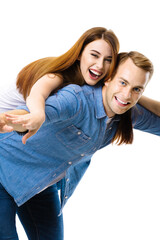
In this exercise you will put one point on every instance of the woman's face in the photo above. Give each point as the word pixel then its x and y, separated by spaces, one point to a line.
pixel 95 61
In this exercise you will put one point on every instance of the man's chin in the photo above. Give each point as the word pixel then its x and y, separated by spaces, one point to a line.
pixel 121 111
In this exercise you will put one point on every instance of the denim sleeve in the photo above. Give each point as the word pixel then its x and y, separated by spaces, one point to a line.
pixel 145 120
pixel 62 105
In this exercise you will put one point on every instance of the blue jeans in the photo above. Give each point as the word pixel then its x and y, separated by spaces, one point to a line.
pixel 39 216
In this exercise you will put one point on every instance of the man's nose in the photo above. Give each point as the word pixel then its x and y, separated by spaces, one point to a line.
pixel 127 93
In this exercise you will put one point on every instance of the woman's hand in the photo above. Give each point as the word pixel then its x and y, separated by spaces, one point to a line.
pixel 30 121
pixel 4 128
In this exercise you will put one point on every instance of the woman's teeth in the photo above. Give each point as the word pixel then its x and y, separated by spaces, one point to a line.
pixel 94 73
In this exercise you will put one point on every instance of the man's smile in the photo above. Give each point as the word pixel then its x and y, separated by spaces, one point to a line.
pixel 120 102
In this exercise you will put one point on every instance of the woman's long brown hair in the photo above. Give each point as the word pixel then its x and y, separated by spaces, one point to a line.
pixel 66 65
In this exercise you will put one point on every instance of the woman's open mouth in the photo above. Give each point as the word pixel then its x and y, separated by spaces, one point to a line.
pixel 94 74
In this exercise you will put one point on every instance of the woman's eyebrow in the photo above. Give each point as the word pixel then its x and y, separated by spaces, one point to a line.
pixel 100 53
pixel 95 51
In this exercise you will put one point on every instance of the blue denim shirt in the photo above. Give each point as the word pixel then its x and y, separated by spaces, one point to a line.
pixel 75 128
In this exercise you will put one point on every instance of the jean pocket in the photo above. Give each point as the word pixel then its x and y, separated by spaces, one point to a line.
pixel 72 137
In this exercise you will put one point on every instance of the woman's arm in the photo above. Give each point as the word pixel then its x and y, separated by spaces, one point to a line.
pixel 150 104
pixel 36 104
pixel 36 100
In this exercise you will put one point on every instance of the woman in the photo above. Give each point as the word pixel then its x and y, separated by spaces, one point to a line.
pixel 90 60
pixel 37 80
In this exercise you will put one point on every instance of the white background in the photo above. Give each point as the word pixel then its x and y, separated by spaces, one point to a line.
pixel 119 196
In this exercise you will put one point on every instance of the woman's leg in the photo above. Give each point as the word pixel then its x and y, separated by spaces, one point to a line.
pixel 7 216
pixel 40 216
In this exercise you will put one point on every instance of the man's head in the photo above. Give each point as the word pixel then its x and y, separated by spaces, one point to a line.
pixel 127 84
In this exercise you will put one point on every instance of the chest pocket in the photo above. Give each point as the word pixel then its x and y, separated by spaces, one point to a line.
pixel 72 137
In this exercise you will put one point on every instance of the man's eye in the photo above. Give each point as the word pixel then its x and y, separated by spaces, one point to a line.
pixel 123 83
pixel 138 90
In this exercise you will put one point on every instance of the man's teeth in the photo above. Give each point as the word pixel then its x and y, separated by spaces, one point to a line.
pixel 96 73
pixel 124 103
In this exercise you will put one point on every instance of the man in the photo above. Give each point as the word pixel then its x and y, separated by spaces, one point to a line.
pixel 79 121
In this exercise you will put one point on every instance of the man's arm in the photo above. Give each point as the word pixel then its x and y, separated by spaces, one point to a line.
pixel 6 125
pixel 59 107
pixel 150 104
pixel 145 120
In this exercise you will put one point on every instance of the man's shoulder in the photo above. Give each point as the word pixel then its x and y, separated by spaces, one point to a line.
pixel 69 95
pixel 72 93
pixel 72 88
pixel 77 88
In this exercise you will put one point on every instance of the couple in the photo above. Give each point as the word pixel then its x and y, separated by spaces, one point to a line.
pixel 79 120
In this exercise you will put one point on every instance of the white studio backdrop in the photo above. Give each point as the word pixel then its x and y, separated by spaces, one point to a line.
pixel 119 196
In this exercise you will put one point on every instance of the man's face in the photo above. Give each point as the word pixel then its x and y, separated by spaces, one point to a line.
pixel 124 90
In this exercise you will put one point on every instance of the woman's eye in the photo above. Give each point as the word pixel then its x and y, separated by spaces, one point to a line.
pixel 94 55
pixel 108 60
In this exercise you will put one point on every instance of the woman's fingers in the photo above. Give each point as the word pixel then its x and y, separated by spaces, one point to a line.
pixel 28 135
pixel 17 119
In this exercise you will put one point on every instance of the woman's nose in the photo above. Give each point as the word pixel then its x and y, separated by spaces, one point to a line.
pixel 100 64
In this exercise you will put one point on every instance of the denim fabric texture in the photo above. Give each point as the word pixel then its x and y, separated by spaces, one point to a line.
pixel 75 128
pixel 39 216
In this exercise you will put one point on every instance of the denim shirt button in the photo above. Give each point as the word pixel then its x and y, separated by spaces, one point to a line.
pixel 79 133
pixel 69 163
pixel 66 197
pixel 82 155
pixel 67 180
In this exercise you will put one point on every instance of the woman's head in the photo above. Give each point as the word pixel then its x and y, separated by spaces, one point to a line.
pixel 68 64
pixel 95 61
pixel 97 51
pixel 103 46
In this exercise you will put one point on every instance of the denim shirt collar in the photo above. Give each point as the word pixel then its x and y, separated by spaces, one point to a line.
pixel 98 102
pixel 99 108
